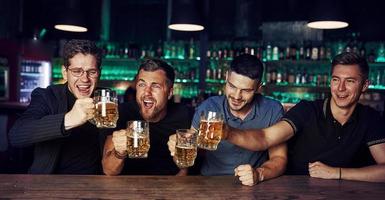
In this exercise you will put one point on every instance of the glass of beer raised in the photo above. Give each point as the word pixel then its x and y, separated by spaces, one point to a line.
pixel 186 148
pixel 106 108
pixel 210 130
pixel 138 139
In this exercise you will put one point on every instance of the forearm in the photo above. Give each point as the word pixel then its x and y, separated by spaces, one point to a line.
pixel 27 130
pixel 273 168
pixel 112 165
pixel 251 139
pixel 373 173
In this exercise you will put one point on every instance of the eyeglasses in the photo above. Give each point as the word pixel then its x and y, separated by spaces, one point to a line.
pixel 78 72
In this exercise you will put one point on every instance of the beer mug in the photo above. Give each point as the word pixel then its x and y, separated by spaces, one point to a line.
pixel 210 130
pixel 186 148
pixel 106 108
pixel 138 139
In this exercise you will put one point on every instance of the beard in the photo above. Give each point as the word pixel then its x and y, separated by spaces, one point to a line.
pixel 149 115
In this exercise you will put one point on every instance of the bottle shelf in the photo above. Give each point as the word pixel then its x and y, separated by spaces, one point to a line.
pixel 292 71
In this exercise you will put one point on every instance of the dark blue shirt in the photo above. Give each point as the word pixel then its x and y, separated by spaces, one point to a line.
pixel 227 157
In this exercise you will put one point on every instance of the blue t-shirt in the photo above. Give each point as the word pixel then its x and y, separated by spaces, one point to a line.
pixel 265 112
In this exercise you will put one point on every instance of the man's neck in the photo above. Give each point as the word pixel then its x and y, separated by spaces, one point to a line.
pixel 342 115
pixel 160 116
pixel 242 114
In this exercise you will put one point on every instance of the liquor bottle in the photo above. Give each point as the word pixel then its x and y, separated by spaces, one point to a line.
pixel 273 76
pixel 314 53
pixel 281 54
pixel 308 51
pixel 275 53
pixel 268 52
pixel 208 53
pixel 173 49
pixel 252 51
pixel 363 50
pixel 231 54
pixel 181 50
pixel 291 76
pixel 259 52
pixel 304 77
pixel 159 50
pixel 348 48
pixel 268 77
pixel 167 49
pixel 371 56
pixel 225 54
pixel 279 77
pixel 298 76
pixel 381 53
pixel 301 52
pixel 328 55
pixel 287 52
pixel 125 53
pixel 322 52
pixel 340 48
pixel 293 51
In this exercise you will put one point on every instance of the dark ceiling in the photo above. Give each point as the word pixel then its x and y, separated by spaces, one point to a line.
pixel 145 21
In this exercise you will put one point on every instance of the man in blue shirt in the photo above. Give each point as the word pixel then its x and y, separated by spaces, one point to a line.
pixel 244 108
pixel 326 137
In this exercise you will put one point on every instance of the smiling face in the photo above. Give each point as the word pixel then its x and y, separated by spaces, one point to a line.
pixel 152 94
pixel 83 86
pixel 346 86
pixel 240 91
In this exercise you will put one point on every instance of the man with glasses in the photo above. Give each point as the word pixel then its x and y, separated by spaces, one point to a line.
pixel 56 121
pixel 243 108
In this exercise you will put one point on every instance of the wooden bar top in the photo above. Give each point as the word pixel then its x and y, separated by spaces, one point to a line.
pixel 189 187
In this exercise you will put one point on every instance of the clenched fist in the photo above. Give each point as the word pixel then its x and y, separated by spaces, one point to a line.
pixel 320 170
pixel 83 110
pixel 247 175
pixel 171 144
pixel 119 139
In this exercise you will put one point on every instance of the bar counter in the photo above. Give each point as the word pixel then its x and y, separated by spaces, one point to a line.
pixel 189 187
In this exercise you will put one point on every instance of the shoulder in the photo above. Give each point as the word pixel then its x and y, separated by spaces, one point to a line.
pixel 314 105
pixel 215 103
pixel 178 109
pixel 52 91
pixel 368 112
pixel 306 108
pixel 267 102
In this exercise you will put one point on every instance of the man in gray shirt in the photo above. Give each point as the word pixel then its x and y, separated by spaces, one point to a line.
pixel 244 108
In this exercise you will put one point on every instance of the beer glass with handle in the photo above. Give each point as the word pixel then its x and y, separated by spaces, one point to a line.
pixel 186 148
pixel 210 130
pixel 106 108
pixel 138 139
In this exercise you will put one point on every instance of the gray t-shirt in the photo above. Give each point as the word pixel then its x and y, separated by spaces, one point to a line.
pixel 265 112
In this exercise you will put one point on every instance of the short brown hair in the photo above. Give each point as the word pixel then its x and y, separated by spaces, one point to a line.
pixel 350 58
pixel 153 64
pixel 73 47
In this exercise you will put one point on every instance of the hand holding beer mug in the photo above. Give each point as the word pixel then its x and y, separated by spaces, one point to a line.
pixel 119 139
pixel 106 108
pixel 210 130
pixel 186 148
pixel 138 139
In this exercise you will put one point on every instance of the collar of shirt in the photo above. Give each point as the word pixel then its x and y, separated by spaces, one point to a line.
pixel 329 116
pixel 250 116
